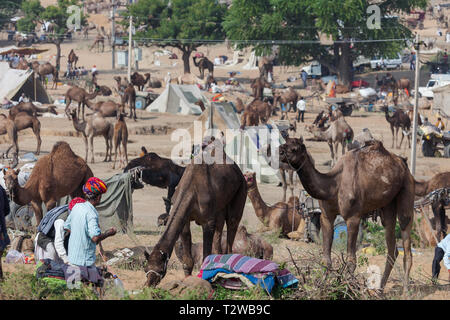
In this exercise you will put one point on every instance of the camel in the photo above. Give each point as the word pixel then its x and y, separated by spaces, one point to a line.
pixel 265 66
pixel 99 39
pixel 54 176
pixel 249 118
pixel 399 120
pixel 31 109
pixel 288 96
pixel 423 188
pixel 159 172
pixel 362 181
pixel 120 137
pixel 122 84
pixel 404 83
pixel 239 105
pixel 129 96
pixel 22 121
pixel 95 125
pixel 107 108
pixel 204 64
pixel 7 126
pixel 72 59
pixel 339 132
pixel 258 86
pixel 140 81
pixel 280 216
pixel 223 203
pixel 102 90
pixel 244 243
pixel 263 109
pixel 81 96
pixel 361 139
pixel 42 70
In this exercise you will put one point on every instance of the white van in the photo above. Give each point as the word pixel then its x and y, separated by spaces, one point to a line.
pixel 390 62
pixel 436 81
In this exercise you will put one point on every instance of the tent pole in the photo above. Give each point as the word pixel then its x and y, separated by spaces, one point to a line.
pixel 34 78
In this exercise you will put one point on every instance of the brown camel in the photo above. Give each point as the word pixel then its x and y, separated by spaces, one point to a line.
pixel 42 70
pixel 339 132
pixel 265 66
pixel 400 120
pixel 280 216
pixel 223 203
pixel 258 86
pixel 244 243
pixel 54 176
pixel 81 96
pixel 423 188
pixel 72 59
pixel 122 84
pixel 30 109
pixel 140 81
pixel 102 90
pixel 404 83
pixel 362 181
pixel 129 97
pixel 95 125
pixel 22 121
pixel 7 126
pixel 99 40
pixel 120 137
pixel 288 96
pixel 263 109
pixel 107 108
pixel 239 105
pixel 249 118
pixel 204 64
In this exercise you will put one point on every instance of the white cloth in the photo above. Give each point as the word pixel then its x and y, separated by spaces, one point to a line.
pixel 59 240
pixel 301 105
pixel 48 253
pixel 447 37
pixel 445 245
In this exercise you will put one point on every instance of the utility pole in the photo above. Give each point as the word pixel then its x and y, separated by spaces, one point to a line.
pixel 416 104
pixel 113 35
pixel 129 48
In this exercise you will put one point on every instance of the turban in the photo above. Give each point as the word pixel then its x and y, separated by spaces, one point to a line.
pixel 75 201
pixel 94 186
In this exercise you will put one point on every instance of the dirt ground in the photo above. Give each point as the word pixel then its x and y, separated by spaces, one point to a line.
pixel 147 202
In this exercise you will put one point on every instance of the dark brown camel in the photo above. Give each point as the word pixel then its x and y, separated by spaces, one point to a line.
pixel 362 181
pixel 22 121
pixel 140 81
pixel 423 188
pixel 210 195
pixel 288 96
pixel 54 176
pixel 258 86
pixel 400 120
pixel 120 138
pixel 81 96
pixel 42 70
pixel 129 97
pixel 72 59
pixel 159 172
pixel 31 109
pixel 263 108
pixel 204 64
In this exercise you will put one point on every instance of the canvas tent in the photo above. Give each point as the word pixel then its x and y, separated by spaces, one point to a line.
pixel 178 99
pixel 245 147
pixel 14 82
pixel 442 101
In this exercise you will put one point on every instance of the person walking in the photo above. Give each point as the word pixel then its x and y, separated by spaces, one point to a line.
pixel 301 107
pixel 83 225
pixel 412 61
pixel 304 76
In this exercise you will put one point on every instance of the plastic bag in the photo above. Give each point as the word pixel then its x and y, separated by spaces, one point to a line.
pixel 14 256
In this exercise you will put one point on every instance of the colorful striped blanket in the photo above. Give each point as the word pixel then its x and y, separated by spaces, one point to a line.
pixel 260 272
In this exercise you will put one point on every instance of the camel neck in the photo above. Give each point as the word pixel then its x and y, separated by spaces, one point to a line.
pixel 258 203
pixel 319 185
pixel 421 188
pixel 20 195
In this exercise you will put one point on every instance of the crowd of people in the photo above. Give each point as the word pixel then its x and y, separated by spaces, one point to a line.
pixel 75 73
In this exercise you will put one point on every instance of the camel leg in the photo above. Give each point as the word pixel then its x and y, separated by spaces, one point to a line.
pixel 217 239
pixel 393 137
pixel 67 108
pixel 37 133
pixel 327 223
pixel 91 142
pixel 388 218
pixel 116 145
pixel 352 237
pixel 284 184
pixel 107 149
pixel 405 213
pixel 37 207
pixel 186 240
pixel 330 145
pixel 396 137
pixel 1 271
pixel 237 205
pixel 208 235
pixel 125 152
pixel 439 218
pixel 291 181
pixel 86 146
pixel 170 192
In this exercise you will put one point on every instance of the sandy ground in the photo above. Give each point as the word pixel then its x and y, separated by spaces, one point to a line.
pixel 147 202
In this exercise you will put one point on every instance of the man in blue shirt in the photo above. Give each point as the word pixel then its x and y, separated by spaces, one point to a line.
pixel 83 225
pixel 442 251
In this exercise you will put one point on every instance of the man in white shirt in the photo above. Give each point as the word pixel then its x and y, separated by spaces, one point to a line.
pixel 442 251
pixel 301 107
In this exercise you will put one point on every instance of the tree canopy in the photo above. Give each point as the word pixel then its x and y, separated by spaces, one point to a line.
pixel 344 22
pixel 183 24
pixel 8 8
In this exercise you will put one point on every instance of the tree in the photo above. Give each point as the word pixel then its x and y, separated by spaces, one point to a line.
pixel 58 14
pixel 182 24
pixel 344 22
pixel 8 8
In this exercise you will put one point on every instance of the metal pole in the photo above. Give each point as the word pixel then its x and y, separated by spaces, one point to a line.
pixel 129 48
pixel 416 104
pixel 113 35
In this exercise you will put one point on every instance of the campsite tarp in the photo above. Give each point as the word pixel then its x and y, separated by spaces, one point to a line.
pixel 14 82
pixel 178 99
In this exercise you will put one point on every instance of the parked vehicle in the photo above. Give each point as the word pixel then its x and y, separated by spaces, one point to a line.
pixel 316 70
pixel 436 81
pixel 389 62
pixel 433 142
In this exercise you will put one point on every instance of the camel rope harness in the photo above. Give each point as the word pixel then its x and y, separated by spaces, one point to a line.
pixel 136 174
pixel 432 197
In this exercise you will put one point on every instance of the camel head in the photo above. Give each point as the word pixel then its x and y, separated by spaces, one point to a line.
pixel 52 109
pixel 156 266
pixel 250 179
pixel 293 153
pixel 11 179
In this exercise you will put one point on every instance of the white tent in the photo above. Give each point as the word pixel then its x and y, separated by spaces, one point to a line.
pixel 442 100
pixel 14 82
pixel 251 64
pixel 178 99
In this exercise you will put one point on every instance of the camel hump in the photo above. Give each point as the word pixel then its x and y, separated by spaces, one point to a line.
pixel 62 147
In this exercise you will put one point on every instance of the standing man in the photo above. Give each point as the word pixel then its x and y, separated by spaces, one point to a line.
pixel 304 76
pixel 301 107
pixel 442 251
pixel 83 225
pixel 412 61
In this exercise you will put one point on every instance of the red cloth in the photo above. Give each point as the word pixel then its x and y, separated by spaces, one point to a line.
pixel 75 201
pixel 359 84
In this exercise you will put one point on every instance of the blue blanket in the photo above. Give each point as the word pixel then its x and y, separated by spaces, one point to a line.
pixel 49 219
